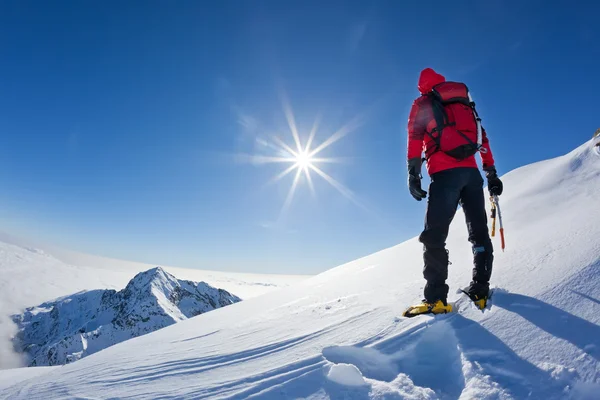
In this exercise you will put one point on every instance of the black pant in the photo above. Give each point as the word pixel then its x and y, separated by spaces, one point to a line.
pixel 447 190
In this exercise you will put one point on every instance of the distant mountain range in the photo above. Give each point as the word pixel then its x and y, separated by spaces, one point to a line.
pixel 73 327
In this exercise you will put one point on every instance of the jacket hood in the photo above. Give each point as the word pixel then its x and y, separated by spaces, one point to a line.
pixel 428 79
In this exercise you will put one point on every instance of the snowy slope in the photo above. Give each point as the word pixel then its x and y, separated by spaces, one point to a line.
pixel 32 273
pixel 119 272
pixel 9 377
pixel 339 335
pixel 70 328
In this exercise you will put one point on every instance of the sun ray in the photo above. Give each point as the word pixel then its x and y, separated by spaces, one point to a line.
pixel 285 147
pixel 267 160
pixel 311 186
pixel 268 143
pixel 313 133
pixel 290 196
pixel 347 193
pixel 329 160
pixel 289 116
pixel 282 174
pixel 303 157
pixel 259 160
pixel 352 125
pixel 341 188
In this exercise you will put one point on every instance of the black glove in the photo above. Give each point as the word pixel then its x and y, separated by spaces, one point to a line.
pixel 495 186
pixel 414 179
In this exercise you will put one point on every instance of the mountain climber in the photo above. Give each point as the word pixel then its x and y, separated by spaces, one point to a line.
pixel 444 124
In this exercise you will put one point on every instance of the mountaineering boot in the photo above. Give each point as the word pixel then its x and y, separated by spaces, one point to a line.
pixel 480 302
pixel 438 307
pixel 479 293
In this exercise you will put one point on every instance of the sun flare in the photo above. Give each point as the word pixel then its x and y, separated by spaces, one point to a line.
pixel 302 157
pixel 304 160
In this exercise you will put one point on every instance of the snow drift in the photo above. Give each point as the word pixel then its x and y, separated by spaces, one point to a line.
pixel 340 334
pixel 32 273
pixel 72 327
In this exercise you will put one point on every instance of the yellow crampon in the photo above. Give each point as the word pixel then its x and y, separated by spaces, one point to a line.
pixel 481 303
pixel 427 308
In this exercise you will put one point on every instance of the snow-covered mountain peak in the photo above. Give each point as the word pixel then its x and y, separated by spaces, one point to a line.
pixel 71 327
pixel 155 275
pixel 154 279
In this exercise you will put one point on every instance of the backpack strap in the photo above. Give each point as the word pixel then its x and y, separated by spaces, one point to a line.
pixel 478 122
pixel 441 121
pixel 438 103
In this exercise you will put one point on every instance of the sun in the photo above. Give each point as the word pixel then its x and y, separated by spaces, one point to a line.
pixel 302 157
pixel 304 160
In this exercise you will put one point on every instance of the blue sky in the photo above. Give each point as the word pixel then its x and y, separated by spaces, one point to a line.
pixel 122 123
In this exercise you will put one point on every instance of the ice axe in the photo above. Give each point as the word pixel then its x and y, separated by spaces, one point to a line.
pixel 497 213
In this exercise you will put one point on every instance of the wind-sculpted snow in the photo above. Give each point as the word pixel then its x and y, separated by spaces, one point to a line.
pixel 339 335
pixel 70 328
pixel 30 275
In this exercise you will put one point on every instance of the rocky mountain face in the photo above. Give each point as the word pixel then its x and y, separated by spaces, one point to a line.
pixel 72 327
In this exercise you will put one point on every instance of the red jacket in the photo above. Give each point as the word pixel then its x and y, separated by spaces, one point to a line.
pixel 421 120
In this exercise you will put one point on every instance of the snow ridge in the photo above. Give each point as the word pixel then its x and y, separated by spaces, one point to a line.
pixel 72 327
